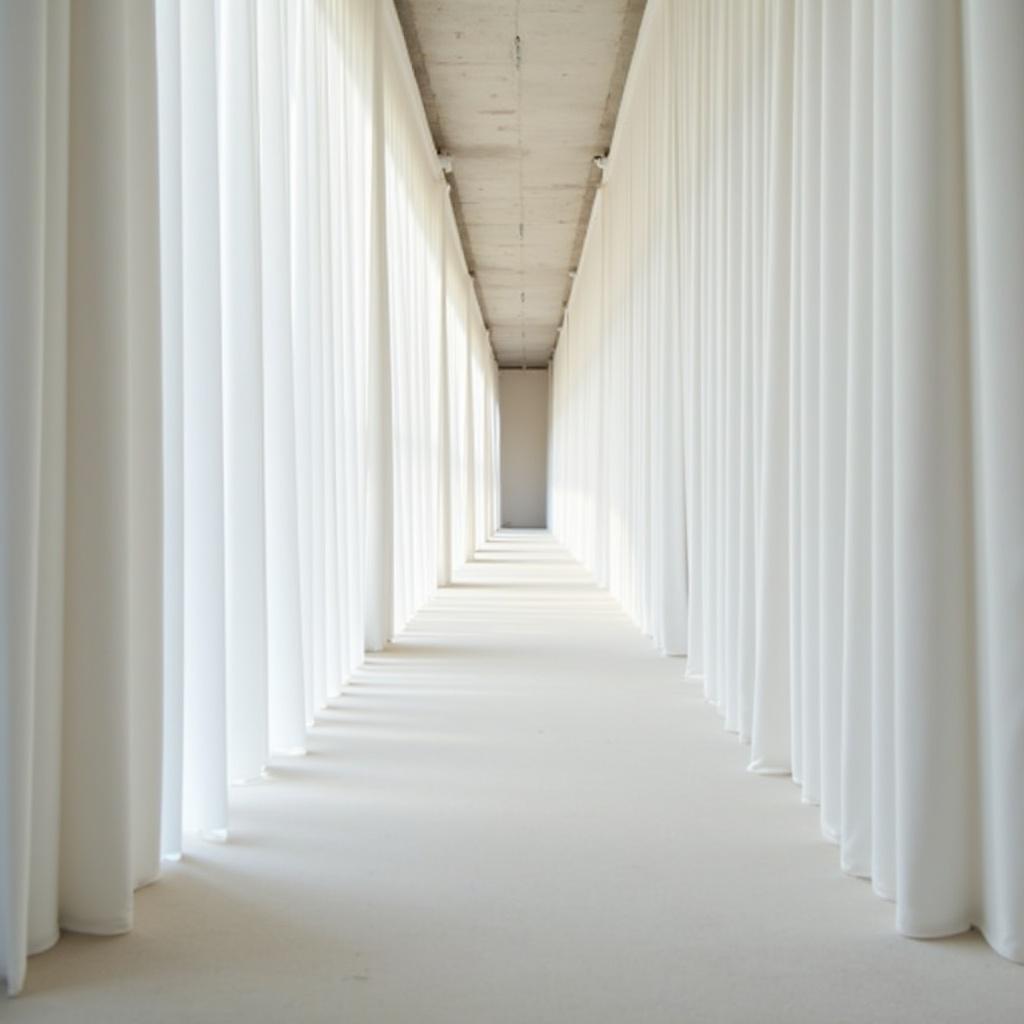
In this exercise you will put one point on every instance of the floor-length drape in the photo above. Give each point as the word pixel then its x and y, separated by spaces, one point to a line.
pixel 204 669
pixel 285 661
pixel 245 545
pixel 994 35
pixel 302 271
pixel 413 234
pixel 830 293
pixel 80 472
pixel 444 427
pixel 193 198
pixel 380 444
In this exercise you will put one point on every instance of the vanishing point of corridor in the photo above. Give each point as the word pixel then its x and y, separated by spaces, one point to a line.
pixel 517 813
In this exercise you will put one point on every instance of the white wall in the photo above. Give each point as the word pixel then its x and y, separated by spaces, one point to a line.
pixel 524 447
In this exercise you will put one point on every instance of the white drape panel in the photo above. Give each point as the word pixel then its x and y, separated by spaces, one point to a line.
pixel 80 457
pixel 202 425
pixel 479 470
pixel 414 236
pixel 458 356
pixel 470 380
pixel 994 37
pixel 468 467
pixel 285 661
pixel 308 477
pixel 456 286
pixel 615 502
pixel 168 31
pixel 799 315
pixel 273 271
pixel 245 535
pixel 490 466
pixel 444 410
pixel 470 446
pixel 194 197
pixel 380 437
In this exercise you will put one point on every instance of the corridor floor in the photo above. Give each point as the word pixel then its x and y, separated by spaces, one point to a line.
pixel 520 814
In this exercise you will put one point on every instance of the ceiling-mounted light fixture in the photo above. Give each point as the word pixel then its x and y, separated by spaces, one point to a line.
pixel 444 161
pixel 601 163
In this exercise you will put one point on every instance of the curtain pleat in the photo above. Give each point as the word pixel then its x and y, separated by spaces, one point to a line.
pixel 47 726
pixel 856 699
pixel 933 627
pixel 799 291
pixel 883 740
pixel 204 750
pixel 245 550
pixel 994 75
pixel 26 65
pixel 285 663
pixel 380 484
pixel 81 509
pixel 223 278
pixel 772 726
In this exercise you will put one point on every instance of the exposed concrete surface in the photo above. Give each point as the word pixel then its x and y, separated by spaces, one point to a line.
pixel 523 94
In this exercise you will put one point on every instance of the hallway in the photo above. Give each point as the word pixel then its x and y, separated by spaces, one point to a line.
pixel 518 814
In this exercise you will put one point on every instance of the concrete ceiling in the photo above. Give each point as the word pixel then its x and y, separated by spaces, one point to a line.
pixel 522 94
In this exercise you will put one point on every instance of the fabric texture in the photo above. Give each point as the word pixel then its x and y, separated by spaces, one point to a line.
pixel 794 340
pixel 220 315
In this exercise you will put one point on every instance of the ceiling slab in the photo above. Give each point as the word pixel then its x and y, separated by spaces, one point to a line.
pixel 522 95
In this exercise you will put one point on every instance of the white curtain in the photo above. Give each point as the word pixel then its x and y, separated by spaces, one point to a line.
pixel 220 323
pixel 617 433
pixel 265 280
pixel 796 336
pixel 414 235
pixel 469 404
pixel 309 285
pixel 80 479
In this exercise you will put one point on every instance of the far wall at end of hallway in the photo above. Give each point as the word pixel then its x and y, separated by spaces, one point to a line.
pixel 524 447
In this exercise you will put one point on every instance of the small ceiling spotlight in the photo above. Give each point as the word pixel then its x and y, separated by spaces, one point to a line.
pixel 601 163
pixel 444 160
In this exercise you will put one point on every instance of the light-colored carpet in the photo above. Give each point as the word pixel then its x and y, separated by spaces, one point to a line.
pixel 519 815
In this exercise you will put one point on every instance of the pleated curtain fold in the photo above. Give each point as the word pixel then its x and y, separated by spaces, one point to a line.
pixel 811 229
pixel 248 416
pixel 80 471
pixel 221 303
